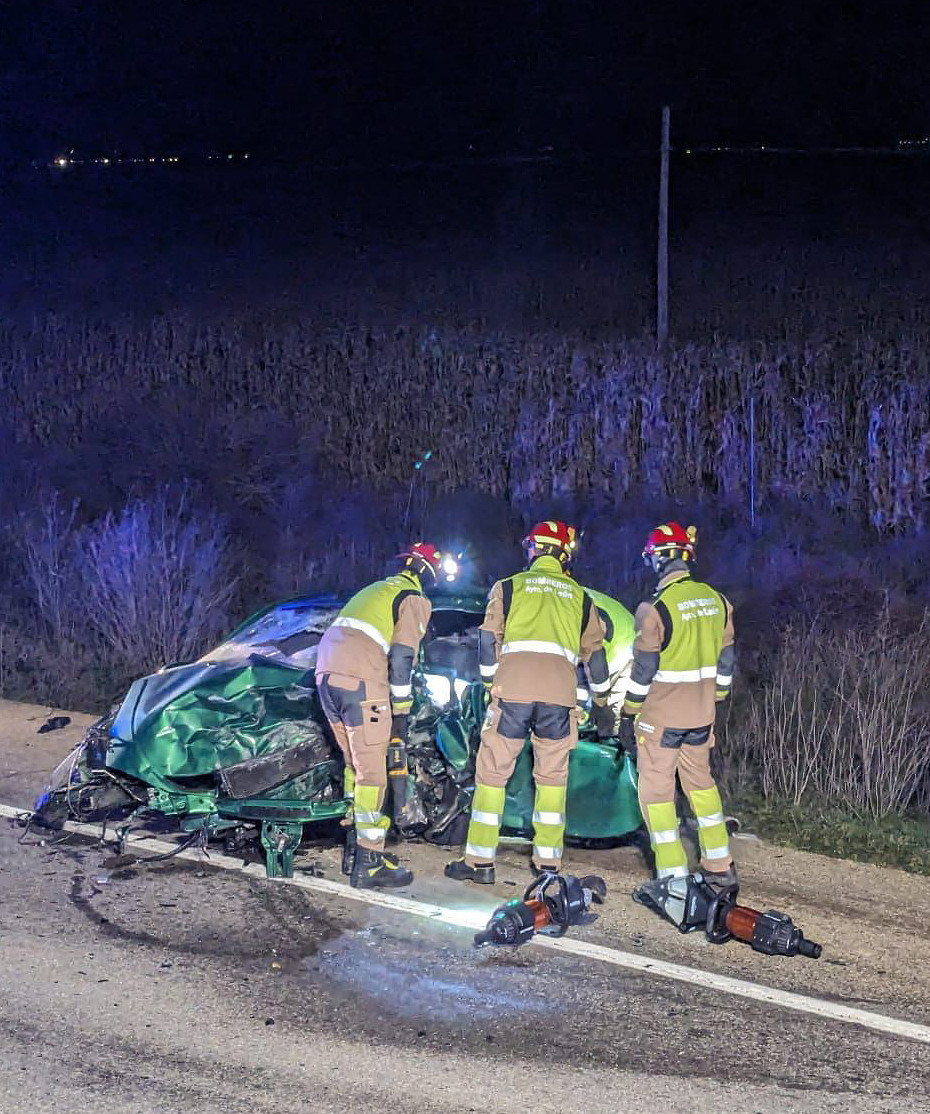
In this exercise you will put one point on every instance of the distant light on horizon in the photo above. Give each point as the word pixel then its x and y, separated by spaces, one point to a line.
pixel 72 160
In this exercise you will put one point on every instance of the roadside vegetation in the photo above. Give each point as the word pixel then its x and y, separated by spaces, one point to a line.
pixel 521 417
pixel 901 841
pixel 163 480
pixel 827 747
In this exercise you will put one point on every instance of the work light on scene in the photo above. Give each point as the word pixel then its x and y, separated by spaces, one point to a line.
pixel 450 568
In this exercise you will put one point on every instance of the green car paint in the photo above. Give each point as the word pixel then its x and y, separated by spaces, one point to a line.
pixel 252 703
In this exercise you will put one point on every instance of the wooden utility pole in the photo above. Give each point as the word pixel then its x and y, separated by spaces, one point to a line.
pixel 752 460
pixel 662 260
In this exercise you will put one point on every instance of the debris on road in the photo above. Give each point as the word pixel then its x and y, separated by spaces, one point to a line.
pixel 54 723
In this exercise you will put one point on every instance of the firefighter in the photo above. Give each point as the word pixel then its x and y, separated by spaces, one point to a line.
pixel 538 625
pixel 363 675
pixel 682 665
pixel 618 646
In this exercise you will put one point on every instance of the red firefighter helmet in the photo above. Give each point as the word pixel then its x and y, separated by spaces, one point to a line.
pixel 422 556
pixel 552 536
pixel 671 540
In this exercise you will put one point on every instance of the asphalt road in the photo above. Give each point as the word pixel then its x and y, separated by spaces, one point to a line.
pixel 180 987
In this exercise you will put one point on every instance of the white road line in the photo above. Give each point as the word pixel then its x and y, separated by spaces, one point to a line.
pixel 476 918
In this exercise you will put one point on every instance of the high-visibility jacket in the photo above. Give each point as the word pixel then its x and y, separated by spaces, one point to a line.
pixel 619 630
pixel 683 654
pixel 377 635
pixel 538 625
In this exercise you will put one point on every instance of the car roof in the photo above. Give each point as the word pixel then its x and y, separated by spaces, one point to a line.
pixel 470 602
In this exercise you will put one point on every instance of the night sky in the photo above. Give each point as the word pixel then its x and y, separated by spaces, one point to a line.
pixel 354 81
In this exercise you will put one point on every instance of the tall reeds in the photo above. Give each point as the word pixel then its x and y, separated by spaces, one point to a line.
pixel 529 419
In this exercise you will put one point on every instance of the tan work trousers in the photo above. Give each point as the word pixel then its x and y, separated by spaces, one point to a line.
pixel 553 729
pixel 503 736
pixel 657 766
pixel 359 713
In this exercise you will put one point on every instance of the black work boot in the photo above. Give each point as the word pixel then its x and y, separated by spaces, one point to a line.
pixel 373 870
pixel 722 879
pixel 483 874
pixel 351 848
pixel 540 871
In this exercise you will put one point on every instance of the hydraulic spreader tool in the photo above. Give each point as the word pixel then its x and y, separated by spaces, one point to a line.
pixel 692 903
pixel 551 904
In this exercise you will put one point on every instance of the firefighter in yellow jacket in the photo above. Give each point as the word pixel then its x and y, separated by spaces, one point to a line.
pixel 363 674
pixel 538 625
pixel 682 665
pixel 618 646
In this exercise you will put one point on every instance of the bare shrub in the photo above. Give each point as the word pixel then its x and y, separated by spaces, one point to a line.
pixel 159 577
pixel 843 717
pixel 48 551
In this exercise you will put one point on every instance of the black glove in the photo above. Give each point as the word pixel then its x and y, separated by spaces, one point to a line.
pixel 627 734
pixel 605 721
pixel 399 727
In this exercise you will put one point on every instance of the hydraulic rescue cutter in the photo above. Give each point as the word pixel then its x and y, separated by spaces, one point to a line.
pixel 692 903
pixel 551 905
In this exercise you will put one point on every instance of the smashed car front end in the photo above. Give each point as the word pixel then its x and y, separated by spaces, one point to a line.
pixel 235 744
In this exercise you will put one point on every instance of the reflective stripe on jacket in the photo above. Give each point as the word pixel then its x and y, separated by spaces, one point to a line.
pixel 679 649
pixel 545 611
pixel 377 634
pixel 374 610
pixel 538 625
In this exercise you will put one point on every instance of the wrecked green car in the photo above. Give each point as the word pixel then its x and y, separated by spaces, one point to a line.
pixel 235 747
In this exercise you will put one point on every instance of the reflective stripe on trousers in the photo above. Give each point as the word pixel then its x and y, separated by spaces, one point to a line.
pixel 549 824
pixel 662 822
pixel 370 824
pixel 712 827
pixel 485 824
